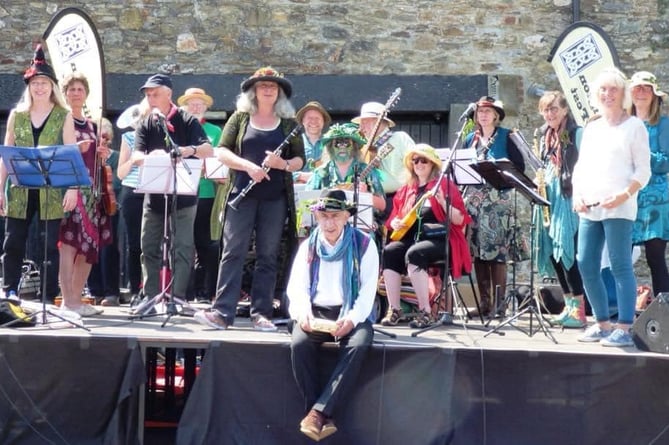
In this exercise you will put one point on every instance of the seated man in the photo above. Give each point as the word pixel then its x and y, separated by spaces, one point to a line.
pixel 331 290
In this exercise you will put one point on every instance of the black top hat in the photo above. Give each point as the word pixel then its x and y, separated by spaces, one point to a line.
pixel 157 80
pixel 39 67
pixel 333 200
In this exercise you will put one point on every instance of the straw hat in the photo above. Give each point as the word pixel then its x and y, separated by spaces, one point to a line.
pixel 423 150
pixel 195 93
pixel 372 109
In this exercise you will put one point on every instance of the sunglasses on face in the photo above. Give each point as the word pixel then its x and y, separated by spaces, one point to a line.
pixel 342 143
pixel 420 161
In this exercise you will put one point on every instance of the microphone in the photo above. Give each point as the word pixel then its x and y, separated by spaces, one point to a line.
pixel 470 109
pixel 156 112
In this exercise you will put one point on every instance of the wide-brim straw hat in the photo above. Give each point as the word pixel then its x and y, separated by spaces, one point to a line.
pixel 195 93
pixel 425 151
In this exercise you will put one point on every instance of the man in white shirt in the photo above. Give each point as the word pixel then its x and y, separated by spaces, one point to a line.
pixel 332 287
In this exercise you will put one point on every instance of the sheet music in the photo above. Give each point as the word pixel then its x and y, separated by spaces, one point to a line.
pixel 462 160
pixel 156 175
pixel 364 216
pixel 215 169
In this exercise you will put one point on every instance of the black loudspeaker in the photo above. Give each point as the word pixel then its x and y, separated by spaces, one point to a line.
pixel 650 331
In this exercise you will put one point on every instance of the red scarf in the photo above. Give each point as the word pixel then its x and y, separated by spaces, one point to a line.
pixel 170 115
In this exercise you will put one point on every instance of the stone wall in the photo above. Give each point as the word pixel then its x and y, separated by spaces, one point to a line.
pixel 505 37
pixel 509 38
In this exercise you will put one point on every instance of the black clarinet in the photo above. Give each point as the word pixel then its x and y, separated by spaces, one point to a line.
pixel 277 151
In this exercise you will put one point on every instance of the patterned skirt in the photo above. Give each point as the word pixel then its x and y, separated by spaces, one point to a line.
pixel 652 218
pixel 87 228
pixel 491 229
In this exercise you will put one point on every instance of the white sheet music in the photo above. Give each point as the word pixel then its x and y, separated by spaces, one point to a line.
pixel 215 169
pixel 462 160
pixel 364 216
pixel 156 175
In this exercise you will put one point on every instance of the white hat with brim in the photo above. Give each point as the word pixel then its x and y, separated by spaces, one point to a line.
pixel 130 117
pixel 373 110
pixel 646 78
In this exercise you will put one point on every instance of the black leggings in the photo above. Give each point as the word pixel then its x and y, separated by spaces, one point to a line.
pixel 397 254
pixel 657 264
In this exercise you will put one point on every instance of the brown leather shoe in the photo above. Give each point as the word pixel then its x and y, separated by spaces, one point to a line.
pixel 329 428
pixel 312 425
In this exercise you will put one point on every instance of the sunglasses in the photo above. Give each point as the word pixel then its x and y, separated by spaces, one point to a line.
pixel 420 161
pixel 342 142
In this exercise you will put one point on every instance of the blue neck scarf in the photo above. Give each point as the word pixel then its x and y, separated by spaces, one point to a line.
pixel 349 250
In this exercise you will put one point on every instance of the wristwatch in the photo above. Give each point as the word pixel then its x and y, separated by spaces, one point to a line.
pixel 194 147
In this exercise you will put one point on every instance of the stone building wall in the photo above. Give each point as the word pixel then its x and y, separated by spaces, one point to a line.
pixel 505 37
pixel 509 38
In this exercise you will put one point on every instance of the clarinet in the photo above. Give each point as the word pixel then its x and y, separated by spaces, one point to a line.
pixel 277 151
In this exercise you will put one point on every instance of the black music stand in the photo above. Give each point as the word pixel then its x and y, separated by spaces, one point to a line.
pixel 163 174
pixel 503 174
pixel 56 166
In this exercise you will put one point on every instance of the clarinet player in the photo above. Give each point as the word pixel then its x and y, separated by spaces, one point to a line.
pixel 262 121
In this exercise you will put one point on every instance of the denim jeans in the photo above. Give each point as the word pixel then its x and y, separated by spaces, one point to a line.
pixel 617 233
pixel 267 219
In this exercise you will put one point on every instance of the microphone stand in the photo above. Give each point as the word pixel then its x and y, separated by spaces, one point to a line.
pixel 167 247
pixel 447 282
pixel 356 202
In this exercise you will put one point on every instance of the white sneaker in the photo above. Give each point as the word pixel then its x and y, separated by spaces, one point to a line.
pixel 85 310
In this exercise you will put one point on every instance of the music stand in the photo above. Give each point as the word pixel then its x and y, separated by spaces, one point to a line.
pixel 163 174
pixel 55 166
pixel 503 174
pixel 457 165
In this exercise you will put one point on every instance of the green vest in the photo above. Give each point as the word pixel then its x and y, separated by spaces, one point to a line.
pixel 51 204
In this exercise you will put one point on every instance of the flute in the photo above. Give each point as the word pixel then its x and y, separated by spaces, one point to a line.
pixel 277 151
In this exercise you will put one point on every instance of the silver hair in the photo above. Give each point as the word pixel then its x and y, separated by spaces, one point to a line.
pixel 247 102
pixel 610 76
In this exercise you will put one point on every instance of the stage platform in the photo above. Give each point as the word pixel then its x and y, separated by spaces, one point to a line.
pixel 451 385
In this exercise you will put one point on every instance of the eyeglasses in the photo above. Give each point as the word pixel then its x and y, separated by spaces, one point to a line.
pixel 342 142
pixel 552 109
pixel 420 161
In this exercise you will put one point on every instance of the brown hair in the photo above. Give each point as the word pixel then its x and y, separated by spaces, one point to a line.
pixel 75 77
pixel 655 110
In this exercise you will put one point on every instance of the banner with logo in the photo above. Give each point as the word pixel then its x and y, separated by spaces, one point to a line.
pixel 74 45
pixel 581 52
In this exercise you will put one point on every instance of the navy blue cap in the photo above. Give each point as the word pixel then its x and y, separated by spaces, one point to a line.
pixel 157 80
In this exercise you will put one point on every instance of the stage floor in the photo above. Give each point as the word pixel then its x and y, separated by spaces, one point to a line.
pixel 183 331
pixel 450 385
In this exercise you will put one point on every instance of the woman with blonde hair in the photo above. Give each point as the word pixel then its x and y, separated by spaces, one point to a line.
pixel 416 250
pixel 613 165
pixel 41 118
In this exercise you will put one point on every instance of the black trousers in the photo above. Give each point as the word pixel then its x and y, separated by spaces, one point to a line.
pixel 305 356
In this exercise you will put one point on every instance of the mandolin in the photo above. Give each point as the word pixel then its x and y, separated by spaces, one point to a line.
pixel 410 218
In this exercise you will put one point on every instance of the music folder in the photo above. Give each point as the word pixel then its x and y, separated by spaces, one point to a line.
pixel 156 175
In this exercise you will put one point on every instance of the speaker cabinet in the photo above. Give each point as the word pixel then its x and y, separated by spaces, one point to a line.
pixel 650 331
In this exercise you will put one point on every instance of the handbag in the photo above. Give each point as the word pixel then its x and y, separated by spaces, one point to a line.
pixel 432 231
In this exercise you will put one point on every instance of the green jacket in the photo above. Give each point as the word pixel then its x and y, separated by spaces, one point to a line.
pixel 233 133
pixel 51 204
